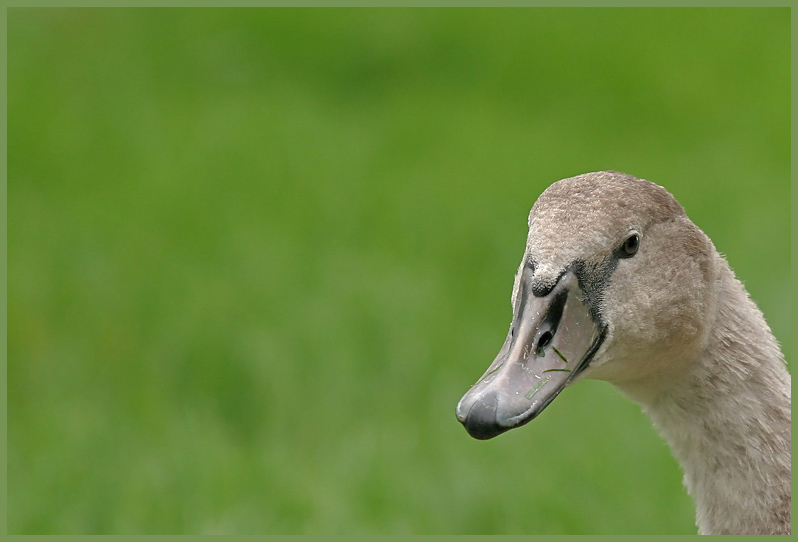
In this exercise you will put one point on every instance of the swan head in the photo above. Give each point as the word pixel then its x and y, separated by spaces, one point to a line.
pixel 615 284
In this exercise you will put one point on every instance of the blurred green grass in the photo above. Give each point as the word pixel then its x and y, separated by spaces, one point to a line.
pixel 255 256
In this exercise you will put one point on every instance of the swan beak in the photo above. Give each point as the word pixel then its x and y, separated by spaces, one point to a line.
pixel 551 340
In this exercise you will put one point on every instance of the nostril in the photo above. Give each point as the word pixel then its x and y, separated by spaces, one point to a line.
pixel 543 342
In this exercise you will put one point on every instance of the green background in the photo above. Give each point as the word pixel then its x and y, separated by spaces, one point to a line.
pixel 255 257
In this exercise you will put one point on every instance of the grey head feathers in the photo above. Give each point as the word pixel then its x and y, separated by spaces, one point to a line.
pixel 663 318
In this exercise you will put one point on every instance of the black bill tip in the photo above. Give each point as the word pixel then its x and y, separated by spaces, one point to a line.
pixel 481 422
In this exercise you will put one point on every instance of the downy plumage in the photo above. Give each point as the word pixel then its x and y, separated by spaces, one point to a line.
pixel 617 284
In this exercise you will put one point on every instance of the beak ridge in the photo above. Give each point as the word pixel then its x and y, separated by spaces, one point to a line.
pixel 552 339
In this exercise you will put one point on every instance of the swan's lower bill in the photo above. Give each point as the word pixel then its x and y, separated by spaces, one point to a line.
pixel 551 340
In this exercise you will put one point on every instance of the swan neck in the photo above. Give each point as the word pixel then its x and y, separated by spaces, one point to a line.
pixel 728 422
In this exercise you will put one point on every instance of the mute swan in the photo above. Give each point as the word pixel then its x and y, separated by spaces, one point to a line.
pixel 617 284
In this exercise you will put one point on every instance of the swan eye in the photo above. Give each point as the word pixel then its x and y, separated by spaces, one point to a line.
pixel 630 246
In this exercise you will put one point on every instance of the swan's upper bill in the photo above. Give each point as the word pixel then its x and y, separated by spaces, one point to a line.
pixel 616 283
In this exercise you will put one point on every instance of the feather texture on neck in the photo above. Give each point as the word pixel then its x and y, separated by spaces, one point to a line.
pixel 727 420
